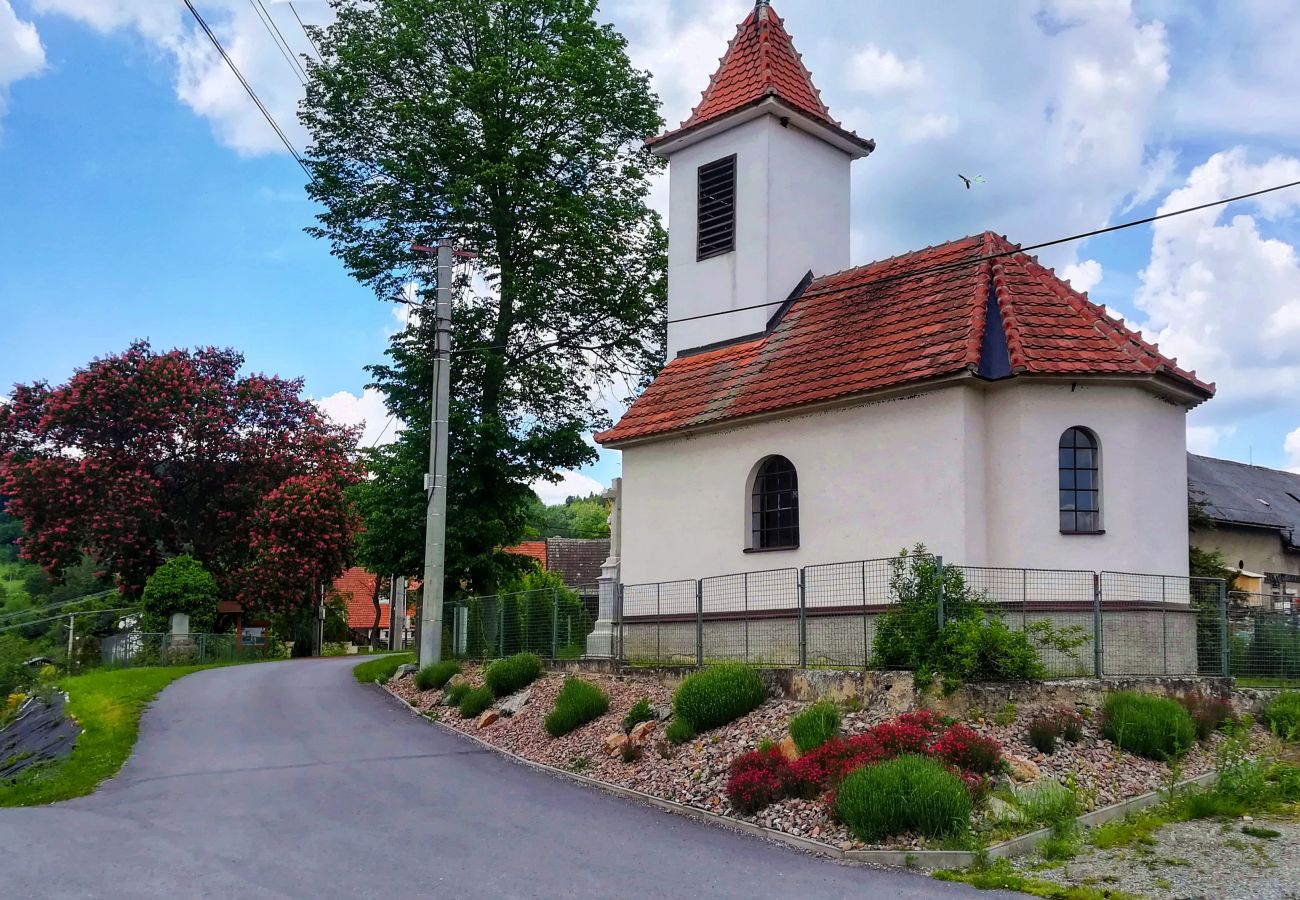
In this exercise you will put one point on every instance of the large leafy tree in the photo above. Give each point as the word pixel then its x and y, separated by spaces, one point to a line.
pixel 515 128
pixel 143 456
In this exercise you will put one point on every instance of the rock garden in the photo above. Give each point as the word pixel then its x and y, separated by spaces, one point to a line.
pixel 855 775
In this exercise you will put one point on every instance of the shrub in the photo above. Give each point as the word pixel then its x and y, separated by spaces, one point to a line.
pixel 1208 713
pixel 432 677
pixel 921 718
pixel 815 725
pixel 180 585
pixel 679 731
pixel 757 779
pixel 640 712
pixel 1049 727
pixel 1154 727
pixel 970 751
pixel 718 695
pixel 910 793
pixel 983 648
pixel 577 704
pixel 474 702
pixel 1282 715
pixel 505 676
pixel 827 765
pixel 457 692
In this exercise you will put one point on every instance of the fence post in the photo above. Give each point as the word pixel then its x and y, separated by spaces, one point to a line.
pixel 1225 653
pixel 1096 625
pixel 1164 622
pixel 555 623
pixel 938 568
pixel 803 624
pixel 501 627
pixel 866 625
pixel 618 624
pixel 699 623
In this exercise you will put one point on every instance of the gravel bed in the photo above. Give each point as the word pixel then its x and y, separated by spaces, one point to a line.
pixel 1194 860
pixel 696 773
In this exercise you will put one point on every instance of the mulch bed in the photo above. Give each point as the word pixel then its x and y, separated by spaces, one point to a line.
pixel 42 732
pixel 695 773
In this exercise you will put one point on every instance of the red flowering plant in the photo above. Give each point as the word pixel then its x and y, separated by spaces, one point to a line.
pixel 144 456
pixel 759 778
pixel 969 751
pixel 827 765
pixel 921 718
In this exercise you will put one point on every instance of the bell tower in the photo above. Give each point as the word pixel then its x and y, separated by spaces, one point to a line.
pixel 758 190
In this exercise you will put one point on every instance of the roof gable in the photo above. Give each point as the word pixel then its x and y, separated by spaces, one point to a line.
pixel 907 320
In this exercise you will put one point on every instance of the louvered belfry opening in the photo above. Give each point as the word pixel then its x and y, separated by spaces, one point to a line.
pixel 716 231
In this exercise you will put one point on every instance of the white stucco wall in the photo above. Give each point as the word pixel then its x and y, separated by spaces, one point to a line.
pixel 1143 457
pixel 792 215
pixel 970 471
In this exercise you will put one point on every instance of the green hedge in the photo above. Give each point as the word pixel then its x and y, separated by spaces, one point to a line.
pixel 1154 727
pixel 505 676
pixel 430 678
pixel 718 695
pixel 578 703
pixel 905 794
pixel 475 701
pixel 815 725
pixel 1282 715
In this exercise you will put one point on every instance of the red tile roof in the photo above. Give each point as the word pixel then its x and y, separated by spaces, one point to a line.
pixel 760 62
pixel 898 322
pixel 358 588
pixel 535 549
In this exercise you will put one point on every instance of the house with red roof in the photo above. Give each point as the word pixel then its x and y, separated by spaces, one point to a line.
pixel 812 412
pixel 358 589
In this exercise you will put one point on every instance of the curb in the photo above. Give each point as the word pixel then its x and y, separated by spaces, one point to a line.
pixel 927 860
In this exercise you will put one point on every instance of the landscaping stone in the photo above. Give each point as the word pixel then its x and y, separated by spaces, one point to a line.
pixel 488 718
pixel 788 748
pixel 614 743
pixel 1024 770
pixel 446 688
pixel 640 730
pixel 513 704
pixel 406 669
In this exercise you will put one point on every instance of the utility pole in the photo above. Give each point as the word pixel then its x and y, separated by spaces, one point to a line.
pixel 71 631
pixel 435 532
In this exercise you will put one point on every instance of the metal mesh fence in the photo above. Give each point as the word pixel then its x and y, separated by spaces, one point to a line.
pixel 1264 639
pixel 550 622
pixel 135 648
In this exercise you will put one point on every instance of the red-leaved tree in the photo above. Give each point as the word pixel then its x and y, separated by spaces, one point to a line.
pixel 145 455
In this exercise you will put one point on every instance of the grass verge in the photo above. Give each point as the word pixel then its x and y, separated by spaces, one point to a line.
pixel 107 705
pixel 381 669
pixel 999 875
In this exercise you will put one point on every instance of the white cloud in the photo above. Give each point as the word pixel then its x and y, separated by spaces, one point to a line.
pixel 346 408
pixel 1157 174
pixel 1292 448
pixel 1084 275
pixel 571 484
pixel 876 71
pixel 21 52
pixel 1221 295
pixel 1205 439
pixel 203 81
pixel 929 126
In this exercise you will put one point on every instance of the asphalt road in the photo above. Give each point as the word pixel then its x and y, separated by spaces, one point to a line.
pixel 292 780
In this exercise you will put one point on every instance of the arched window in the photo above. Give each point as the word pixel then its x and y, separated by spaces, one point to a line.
pixel 1080 489
pixel 774 505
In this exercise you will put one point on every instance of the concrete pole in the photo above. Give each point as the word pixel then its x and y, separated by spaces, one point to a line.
pixel 435 532
pixel 71 629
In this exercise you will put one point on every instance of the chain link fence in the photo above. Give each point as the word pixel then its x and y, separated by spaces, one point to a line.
pixel 136 648
pixel 1083 623
pixel 1264 639
pixel 551 622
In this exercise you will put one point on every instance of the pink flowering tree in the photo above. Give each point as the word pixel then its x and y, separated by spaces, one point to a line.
pixel 144 455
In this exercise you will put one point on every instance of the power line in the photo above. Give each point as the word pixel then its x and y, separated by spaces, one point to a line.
pixel 88 612
pixel 293 9
pixel 19 613
pixel 946 267
pixel 247 87
pixel 277 38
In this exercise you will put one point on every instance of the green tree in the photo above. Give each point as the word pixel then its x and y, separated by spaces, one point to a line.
pixel 582 517
pixel 180 585
pixel 514 127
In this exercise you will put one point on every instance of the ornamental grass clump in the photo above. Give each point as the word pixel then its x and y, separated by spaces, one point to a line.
pixel 718 695
pixel 474 702
pixel 679 731
pixel 1282 715
pixel 578 703
pixel 640 712
pixel 1047 729
pixel 1155 727
pixel 815 725
pixel 1209 714
pixel 907 794
pixel 505 676
pixel 456 692
pixel 430 678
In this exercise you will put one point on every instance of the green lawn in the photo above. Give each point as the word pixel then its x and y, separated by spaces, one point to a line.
pixel 382 668
pixel 107 705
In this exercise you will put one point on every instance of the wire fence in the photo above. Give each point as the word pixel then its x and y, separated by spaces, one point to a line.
pixel 131 649
pixel 551 622
pixel 850 615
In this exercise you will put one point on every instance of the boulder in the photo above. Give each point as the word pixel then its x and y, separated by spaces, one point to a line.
pixel 488 718
pixel 446 688
pixel 1023 770
pixel 405 669
pixel 516 702
pixel 788 748
pixel 640 730
pixel 662 713
pixel 614 743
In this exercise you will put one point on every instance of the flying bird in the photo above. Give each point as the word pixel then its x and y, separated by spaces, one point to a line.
pixel 978 179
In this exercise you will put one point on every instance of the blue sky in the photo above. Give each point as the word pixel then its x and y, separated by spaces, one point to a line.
pixel 141 195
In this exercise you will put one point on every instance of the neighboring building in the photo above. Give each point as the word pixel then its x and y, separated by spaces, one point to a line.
pixel 1256 515
pixel 357 587
pixel 962 395
pixel 576 560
